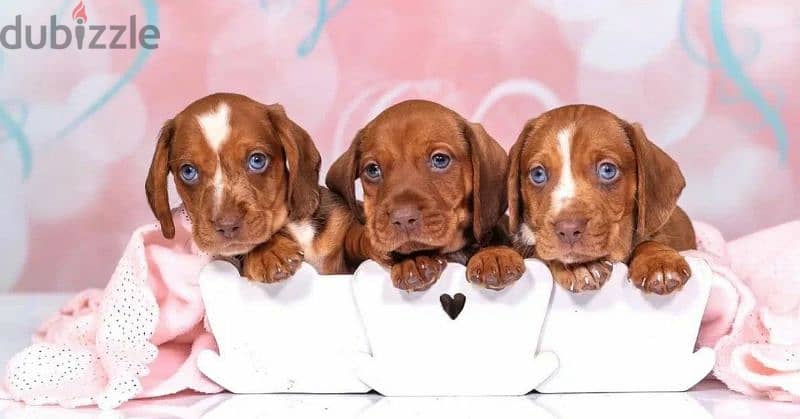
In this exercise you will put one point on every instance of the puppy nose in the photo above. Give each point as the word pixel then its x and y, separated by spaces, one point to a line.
pixel 406 218
pixel 570 231
pixel 228 226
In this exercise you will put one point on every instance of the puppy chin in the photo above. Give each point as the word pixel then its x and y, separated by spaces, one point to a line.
pixel 572 258
pixel 412 247
pixel 385 241
pixel 424 243
pixel 228 249
pixel 578 255
pixel 569 255
pixel 235 250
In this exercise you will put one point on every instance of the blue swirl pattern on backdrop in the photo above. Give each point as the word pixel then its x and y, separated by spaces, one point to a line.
pixel 323 16
pixel 732 66
pixel 15 130
pixel 151 18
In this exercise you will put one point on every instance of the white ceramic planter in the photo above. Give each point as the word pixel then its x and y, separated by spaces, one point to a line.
pixel 618 339
pixel 419 350
pixel 303 335
pixel 349 334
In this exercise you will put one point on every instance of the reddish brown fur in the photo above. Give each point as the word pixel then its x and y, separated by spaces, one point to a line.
pixel 332 222
pixel 631 219
pixel 458 206
pixel 608 208
pixel 287 191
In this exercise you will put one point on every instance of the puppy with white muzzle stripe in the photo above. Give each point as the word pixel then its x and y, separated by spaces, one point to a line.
pixel 586 189
pixel 248 177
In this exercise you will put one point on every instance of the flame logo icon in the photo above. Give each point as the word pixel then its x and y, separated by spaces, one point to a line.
pixel 79 13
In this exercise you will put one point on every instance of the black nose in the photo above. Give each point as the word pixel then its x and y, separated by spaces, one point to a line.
pixel 570 231
pixel 228 226
pixel 406 218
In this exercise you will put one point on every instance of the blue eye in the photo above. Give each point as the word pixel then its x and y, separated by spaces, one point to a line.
pixel 539 175
pixel 188 174
pixel 440 161
pixel 372 171
pixel 257 162
pixel 607 171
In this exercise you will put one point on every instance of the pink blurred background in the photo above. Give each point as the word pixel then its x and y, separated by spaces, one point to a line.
pixel 711 82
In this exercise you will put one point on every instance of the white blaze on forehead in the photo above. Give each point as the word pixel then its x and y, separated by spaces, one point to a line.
pixel 216 125
pixel 565 189
pixel 216 128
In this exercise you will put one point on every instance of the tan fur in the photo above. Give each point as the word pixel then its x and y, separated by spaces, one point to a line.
pixel 330 254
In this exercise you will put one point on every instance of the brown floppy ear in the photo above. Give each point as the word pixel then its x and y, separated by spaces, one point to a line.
pixel 342 175
pixel 489 168
pixel 513 179
pixel 512 186
pixel 302 162
pixel 156 184
pixel 659 183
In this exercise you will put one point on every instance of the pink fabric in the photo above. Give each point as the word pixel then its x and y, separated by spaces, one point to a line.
pixel 137 338
pixel 753 316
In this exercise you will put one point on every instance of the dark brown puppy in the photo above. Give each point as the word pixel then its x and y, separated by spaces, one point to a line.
pixel 433 185
pixel 587 188
pixel 248 177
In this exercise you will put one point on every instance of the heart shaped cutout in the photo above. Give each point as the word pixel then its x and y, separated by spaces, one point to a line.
pixel 453 305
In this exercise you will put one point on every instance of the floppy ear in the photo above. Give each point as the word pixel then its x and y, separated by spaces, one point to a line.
pixel 489 168
pixel 513 179
pixel 302 163
pixel 156 184
pixel 513 186
pixel 342 176
pixel 659 183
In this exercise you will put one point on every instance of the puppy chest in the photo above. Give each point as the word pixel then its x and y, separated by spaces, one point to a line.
pixel 303 233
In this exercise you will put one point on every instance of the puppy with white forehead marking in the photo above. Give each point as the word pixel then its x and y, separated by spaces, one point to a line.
pixel 248 177
pixel 586 189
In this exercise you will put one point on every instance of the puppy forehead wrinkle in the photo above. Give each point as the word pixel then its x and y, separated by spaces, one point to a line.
pixel 216 125
pixel 565 188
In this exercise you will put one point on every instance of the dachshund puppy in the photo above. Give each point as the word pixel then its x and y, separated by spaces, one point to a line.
pixel 434 189
pixel 248 177
pixel 585 189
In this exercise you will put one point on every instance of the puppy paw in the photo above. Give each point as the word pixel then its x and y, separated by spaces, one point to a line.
pixel 495 267
pixel 582 277
pixel 273 261
pixel 417 273
pixel 659 269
